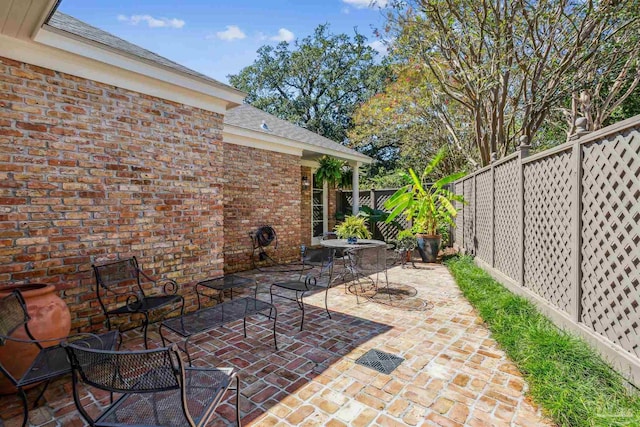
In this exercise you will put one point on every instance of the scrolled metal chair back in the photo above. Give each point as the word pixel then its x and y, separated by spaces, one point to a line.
pixel 13 314
pixel 368 259
pixel 144 371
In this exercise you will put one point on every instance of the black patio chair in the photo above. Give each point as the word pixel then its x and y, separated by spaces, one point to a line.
pixel 367 263
pixel 157 389
pixel 122 281
pixel 320 281
pixel 51 360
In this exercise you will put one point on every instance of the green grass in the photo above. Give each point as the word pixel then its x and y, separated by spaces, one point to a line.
pixel 572 384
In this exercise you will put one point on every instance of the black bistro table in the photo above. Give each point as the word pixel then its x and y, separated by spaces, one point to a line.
pixel 207 319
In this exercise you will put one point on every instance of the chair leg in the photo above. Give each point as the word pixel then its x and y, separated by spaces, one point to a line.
pixel 275 317
pixel 238 422
pixel 301 308
pixel 145 326
pixel 25 406
pixel 326 306
pixel 46 385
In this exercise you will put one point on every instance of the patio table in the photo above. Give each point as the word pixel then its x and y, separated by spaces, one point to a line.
pixel 223 283
pixel 344 244
pixel 207 319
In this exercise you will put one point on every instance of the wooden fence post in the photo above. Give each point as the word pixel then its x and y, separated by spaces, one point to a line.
pixel 492 224
pixel 524 152
pixel 576 248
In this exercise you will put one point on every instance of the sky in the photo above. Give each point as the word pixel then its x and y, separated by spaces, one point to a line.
pixel 220 37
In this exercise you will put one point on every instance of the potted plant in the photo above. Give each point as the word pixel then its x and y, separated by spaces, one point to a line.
pixel 406 243
pixel 427 206
pixel 353 227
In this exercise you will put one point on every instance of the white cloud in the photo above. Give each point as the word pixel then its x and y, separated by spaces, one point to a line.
pixel 151 21
pixel 345 10
pixel 361 4
pixel 232 32
pixel 283 35
pixel 380 46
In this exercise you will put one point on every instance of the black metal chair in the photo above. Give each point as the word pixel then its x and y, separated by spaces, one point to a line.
pixel 157 389
pixel 365 263
pixel 322 281
pixel 122 281
pixel 51 360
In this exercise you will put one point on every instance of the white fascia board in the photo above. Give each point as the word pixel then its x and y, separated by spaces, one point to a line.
pixel 240 136
pixel 271 142
pixel 111 69
pixel 310 164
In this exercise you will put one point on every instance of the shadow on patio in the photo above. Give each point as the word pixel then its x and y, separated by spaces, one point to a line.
pixel 453 372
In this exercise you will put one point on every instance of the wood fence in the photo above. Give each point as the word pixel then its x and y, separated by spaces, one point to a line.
pixel 375 199
pixel 562 228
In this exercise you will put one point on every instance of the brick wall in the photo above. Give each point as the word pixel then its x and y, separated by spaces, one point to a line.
pixel 90 172
pixel 261 188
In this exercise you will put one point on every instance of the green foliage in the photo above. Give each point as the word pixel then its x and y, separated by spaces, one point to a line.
pixel 316 82
pixel 376 215
pixel 428 207
pixel 407 240
pixel 574 386
pixel 330 170
pixel 403 128
pixel 505 66
pixel 353 226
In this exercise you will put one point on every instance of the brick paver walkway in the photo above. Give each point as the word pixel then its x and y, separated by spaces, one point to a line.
pixel 454 373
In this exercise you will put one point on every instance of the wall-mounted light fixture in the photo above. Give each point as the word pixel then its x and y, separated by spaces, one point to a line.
pixel 305 182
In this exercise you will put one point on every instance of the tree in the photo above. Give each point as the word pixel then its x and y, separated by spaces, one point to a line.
pixel 315 83
pixel 404 127
pixel 605 84
pixel 507 64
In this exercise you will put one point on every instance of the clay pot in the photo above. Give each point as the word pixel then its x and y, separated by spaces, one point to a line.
pixel 50 318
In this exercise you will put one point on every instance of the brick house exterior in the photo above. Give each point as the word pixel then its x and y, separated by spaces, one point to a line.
pixel 109 151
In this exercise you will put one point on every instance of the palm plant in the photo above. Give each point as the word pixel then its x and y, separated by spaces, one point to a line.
pixel 428 207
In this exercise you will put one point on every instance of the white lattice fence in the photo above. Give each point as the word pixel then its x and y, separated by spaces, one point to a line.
pixel 484 215
pixel 611 239
pixel 507 236
pixel 548 189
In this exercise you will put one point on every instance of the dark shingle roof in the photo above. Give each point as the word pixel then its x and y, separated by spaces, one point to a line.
pixel 81 29
pixel 248 117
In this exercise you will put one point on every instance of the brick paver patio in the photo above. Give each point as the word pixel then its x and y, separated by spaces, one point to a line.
pixel 454 373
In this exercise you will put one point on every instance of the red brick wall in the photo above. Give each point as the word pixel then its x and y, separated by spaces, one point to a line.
pixel 261 188
pixel 91 172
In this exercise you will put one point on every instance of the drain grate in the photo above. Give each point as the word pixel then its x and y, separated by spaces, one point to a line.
pixel 380 361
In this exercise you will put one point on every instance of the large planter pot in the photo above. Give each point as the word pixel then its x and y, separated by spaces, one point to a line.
pixel 428 247
pixel 50 318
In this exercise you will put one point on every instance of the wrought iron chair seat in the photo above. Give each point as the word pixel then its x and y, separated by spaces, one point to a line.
pixel 157 389
pixel 322 281
pixel 51 362
pixel 147 304
pixel 308 285
pixel 122 279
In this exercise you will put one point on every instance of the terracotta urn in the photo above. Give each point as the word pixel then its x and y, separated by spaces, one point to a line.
pixel 50 318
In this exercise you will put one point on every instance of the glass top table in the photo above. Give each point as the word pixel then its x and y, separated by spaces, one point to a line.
pixel 344 244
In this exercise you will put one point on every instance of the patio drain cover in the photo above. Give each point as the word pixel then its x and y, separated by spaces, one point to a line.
pixel 380 361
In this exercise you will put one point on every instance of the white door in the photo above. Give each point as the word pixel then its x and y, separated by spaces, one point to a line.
pixel 319 211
